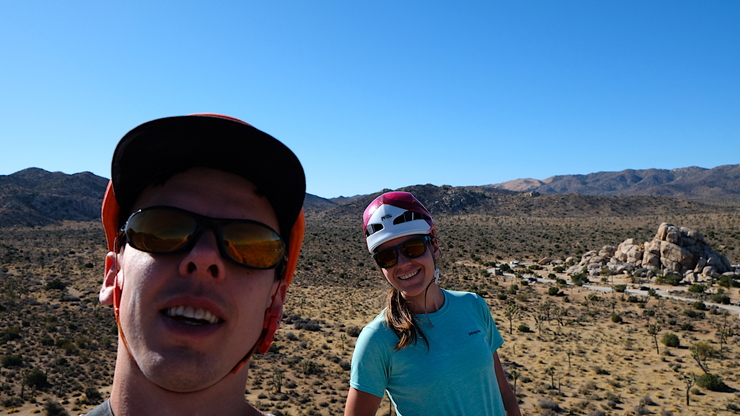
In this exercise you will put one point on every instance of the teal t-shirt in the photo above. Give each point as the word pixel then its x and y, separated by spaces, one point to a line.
pixel 454 376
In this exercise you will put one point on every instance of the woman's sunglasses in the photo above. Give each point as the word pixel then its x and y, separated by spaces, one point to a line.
pixel 411 248
pixel 169 230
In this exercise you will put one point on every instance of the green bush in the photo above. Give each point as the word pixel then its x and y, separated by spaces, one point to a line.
pixel 697 288
pixel 523 328
pixel 694 314
pixel 670 340
pixel 616 318
pixel 669 279
pixel 579 279
pixel 721 299
pixel 711 382
pixel 56 284
pixel 35 378
pixel 699 306
pixel 727 281
pixel 558 269
pixel 620 288
pixel 553 291
pixel 12 360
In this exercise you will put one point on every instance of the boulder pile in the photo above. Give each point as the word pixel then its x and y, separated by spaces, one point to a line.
pixel 674 249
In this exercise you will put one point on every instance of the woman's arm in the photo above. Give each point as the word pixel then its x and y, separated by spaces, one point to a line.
pixel 360 403
pixel 511 404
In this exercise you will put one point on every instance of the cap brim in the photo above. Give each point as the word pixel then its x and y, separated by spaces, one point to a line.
pixel 175 144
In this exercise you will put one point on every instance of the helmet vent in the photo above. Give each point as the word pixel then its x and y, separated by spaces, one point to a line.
pixel 373 228
pixel 409 216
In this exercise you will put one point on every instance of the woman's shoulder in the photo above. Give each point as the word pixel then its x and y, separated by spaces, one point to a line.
pixel 457 295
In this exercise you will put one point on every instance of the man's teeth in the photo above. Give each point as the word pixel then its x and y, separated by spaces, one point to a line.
pixel 408 276
pixel 192 314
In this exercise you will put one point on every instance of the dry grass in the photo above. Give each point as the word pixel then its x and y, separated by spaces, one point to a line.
pixel 574 355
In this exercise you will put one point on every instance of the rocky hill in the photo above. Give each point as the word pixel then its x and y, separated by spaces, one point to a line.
pixel 717 184
pixel 35 196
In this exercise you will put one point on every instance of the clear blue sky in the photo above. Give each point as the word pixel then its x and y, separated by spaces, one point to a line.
pixel 382 94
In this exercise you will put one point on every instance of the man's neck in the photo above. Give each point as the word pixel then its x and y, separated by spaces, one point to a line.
pixel 133 394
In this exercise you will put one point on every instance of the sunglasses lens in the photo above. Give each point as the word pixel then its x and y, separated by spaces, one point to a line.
pixel 159 231
pixel 386 258
pixel 253 245
pixel 414 248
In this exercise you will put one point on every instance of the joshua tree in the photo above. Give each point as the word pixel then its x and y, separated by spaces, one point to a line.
pixel 690 380
pixel 551 372
pixel 512 312
pixel 514 376
pixel 701 352
pixel 654 330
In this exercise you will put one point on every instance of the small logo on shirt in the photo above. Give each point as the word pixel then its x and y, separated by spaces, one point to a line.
pixel 474 332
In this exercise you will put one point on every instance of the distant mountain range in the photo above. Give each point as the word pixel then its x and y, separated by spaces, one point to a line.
pixel 717 184
pixel 33 196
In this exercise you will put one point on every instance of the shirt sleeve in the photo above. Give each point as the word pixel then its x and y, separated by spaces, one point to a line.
pixel 493 336
pixel 370 363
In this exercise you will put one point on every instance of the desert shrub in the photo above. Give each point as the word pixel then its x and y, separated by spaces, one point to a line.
pixel 13 402
pixel 548 404
pixel 616 318
pixel 92 395
pixel 597 412
pixel 694 314
pixel 523 328
pixel 647 401
pixel 535 267
pixel 35 378
pixel 558 269
pixel 711 382
pixel 579 279
pixel 53 408
pixel 727 281
pixel 670 339
pixel 12 360
pixel 696 288
pixel 699 306
pixel 553 291
pixel 501 296
pixel 55 284
pixel 587 387
pixel 669 279
pixel 9 334
pixel 687 326
pixel 354 331
pixel 641 410
pixel 633 299
pixel 721 299
pixel 620 288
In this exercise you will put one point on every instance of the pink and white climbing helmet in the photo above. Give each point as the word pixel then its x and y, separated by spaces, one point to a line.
pixel 393 215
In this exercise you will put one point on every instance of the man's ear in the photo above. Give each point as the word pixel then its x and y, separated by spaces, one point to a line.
pixel 110 280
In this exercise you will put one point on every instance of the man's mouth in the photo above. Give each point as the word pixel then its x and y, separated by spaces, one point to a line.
pixel 191 316
pixel 409 276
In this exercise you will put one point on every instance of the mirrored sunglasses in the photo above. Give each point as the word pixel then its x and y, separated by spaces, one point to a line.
pixel 411 248
pixel 170 230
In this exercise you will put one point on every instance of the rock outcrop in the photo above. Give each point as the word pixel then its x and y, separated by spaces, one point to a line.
pixel 674 249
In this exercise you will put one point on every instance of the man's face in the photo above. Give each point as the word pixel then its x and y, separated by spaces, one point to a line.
pixel 161 293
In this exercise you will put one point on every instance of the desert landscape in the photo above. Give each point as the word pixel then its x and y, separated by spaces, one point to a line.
pixel 569 348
